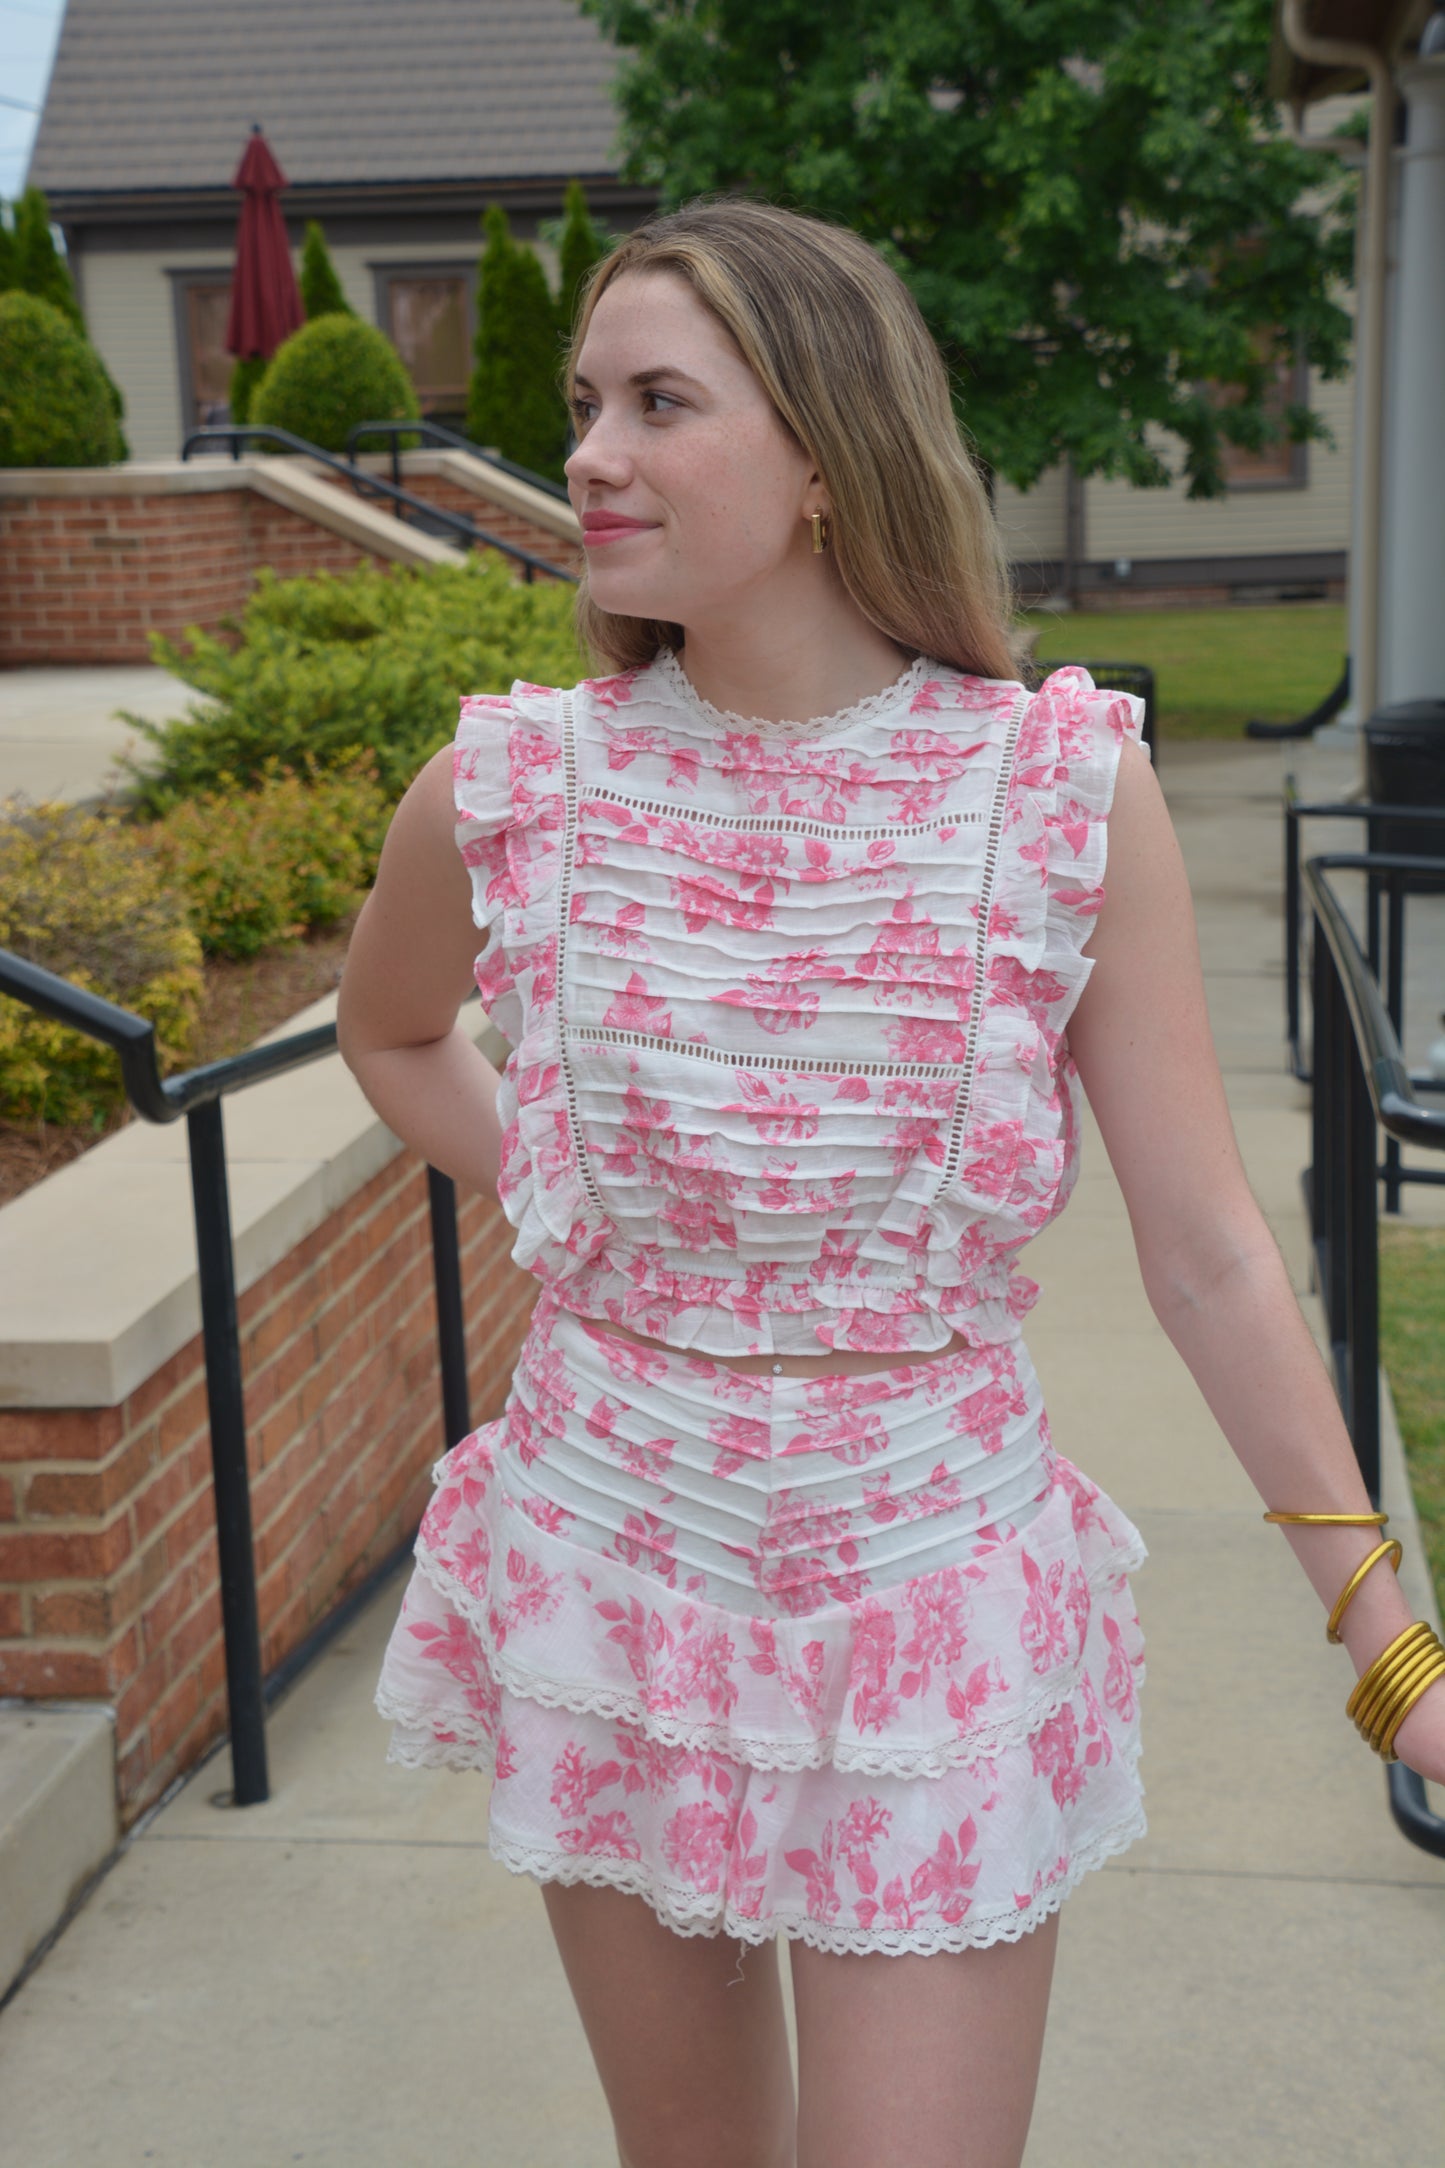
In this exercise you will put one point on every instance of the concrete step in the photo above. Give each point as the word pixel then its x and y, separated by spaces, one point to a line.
pixel 58 1820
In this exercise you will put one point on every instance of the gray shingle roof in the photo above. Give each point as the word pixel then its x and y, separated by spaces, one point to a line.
pixel 159 94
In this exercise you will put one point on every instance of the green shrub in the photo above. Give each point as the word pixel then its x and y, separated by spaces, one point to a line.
pixel 83 895
pixel 321 290
pixel 259 868
pixel 514 403
pixel 56 408
pixel 326 666
pixel 330 375
pixel 245 381
pixel 32 264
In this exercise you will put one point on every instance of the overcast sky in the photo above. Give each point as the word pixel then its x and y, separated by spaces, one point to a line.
pixel 28 31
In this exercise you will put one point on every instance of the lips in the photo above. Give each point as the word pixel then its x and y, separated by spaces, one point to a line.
pixel 611 527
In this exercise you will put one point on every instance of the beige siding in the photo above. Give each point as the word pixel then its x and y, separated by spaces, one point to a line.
pixel 129 314
pixel 1033 521
pixel 1147 523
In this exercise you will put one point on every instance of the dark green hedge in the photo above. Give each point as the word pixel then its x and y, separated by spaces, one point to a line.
pixel 56 408
pixel 331 374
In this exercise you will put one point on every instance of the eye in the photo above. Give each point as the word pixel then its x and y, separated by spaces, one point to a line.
pixel 582 410
pixel 665 397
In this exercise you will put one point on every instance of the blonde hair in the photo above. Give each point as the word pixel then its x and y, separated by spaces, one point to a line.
pixel 837 342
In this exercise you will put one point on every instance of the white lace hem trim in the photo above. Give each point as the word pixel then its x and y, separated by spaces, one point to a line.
pixel 693 1913
pixel 581 1697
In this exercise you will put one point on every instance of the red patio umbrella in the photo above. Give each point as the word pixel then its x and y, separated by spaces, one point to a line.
pixel 265 305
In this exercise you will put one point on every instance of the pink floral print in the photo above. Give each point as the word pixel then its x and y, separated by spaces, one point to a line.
pixel 851 1658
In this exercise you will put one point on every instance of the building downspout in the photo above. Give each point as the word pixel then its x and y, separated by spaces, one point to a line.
pixel 1342 52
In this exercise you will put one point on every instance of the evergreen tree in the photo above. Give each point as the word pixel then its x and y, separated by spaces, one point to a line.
pixel 245 380
pixel 321 292
pixel 580 246
pixel 31 263
pixel 514 403
pixel 7 254
pixel 39 267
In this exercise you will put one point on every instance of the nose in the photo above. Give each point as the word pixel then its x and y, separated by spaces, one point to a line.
pixel 599 458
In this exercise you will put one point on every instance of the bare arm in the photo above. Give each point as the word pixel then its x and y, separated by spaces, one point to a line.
pixel 408 971
pixel 1216 1281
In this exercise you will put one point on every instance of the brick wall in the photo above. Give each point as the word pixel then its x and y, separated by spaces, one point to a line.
pixel 85 578
pixel 108 1576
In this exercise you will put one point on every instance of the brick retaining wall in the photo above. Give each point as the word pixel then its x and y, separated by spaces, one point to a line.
pixel 86 578
pixel 108 1576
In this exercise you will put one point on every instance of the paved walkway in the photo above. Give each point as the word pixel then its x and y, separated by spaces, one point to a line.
pixel 59 732
pixel 344 1975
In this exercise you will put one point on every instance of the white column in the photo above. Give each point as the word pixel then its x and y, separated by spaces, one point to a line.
pixel 1412 601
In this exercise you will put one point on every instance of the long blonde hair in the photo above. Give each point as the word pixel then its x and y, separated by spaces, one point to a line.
pixel 837 342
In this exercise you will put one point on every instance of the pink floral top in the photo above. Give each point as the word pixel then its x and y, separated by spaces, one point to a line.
pixel 787 1002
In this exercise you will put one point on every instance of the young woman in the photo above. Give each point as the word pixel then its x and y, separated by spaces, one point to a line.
pixel 767 1603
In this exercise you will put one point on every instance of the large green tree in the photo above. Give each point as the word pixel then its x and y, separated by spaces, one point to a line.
pixel 1092 201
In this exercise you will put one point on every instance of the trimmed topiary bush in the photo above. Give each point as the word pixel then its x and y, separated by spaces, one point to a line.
pixel 330 375
pixel 83 894
pixel 327 666
pixel 56 403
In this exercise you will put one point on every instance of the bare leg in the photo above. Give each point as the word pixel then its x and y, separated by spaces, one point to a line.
pixel 693 2059
pixel 930 2060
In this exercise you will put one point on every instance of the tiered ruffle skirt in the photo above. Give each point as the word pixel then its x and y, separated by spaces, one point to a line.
pixel 853 1659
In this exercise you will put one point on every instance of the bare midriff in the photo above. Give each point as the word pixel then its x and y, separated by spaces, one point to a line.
pixel 844 1362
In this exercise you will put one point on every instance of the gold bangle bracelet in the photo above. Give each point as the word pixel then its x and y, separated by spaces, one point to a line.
pixel 1386 1747
pixel 1342 1601
pixel 1395 1694
pixel 1332 1520
pixel 1376 1673
pixel 1372 1687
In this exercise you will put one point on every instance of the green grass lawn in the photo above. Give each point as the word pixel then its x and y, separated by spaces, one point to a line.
pixel 1213 668
pixel 1412 1347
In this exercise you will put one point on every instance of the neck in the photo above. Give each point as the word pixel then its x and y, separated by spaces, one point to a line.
pixel 790 668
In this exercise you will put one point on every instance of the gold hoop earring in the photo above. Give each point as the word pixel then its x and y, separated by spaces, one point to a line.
pixel 820 534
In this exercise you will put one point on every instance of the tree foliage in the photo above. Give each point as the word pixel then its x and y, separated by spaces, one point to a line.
pixel 513 402
pixel 56 408
pixel 580 245
pixel 1093 202
pixel 321 289
pixel 30 263
pixel 330 375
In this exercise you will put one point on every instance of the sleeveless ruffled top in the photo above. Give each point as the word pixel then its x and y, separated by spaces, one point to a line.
pixel 788 1003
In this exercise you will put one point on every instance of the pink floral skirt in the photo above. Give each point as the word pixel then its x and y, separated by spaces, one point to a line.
pixel 848 1658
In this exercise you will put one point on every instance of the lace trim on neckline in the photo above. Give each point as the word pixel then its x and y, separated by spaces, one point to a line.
pixel 808 731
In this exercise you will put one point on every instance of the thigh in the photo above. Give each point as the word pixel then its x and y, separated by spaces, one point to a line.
pixel 688 2033
pixel 933 2060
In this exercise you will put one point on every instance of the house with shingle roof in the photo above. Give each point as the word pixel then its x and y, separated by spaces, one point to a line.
pixel 395 125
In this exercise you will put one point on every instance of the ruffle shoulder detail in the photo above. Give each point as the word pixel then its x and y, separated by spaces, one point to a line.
pixel 506 791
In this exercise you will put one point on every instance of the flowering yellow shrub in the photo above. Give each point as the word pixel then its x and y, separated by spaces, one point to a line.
pixel 84 895
pixel 261 867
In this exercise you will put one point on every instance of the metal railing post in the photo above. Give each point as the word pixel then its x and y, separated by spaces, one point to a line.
pixel 225 1402
pixel 451 1325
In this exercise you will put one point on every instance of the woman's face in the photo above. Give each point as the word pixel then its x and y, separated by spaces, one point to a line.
pixel 694 498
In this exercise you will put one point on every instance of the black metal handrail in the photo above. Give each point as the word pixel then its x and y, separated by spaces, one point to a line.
pixel 1305 726
pixel 1389 878
pixel 403 500
pixel 438 433
pixel 1361 1084
pixel 197 1094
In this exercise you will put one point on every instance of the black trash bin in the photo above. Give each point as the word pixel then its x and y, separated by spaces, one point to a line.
pixel 1405 766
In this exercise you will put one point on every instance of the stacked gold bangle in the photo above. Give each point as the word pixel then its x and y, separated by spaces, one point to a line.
pixel 1385 1694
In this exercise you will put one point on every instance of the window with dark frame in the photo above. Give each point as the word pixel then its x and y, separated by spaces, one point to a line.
pixel 205 306
pixel 426 312
pixel 1281 465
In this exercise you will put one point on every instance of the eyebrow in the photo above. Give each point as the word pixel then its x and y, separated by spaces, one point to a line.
pixel 644 377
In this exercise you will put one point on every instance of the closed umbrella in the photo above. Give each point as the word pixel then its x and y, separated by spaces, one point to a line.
pixel 265 304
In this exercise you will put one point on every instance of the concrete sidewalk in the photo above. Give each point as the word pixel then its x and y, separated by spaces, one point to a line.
pixel 59 732
pixel 344 1975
